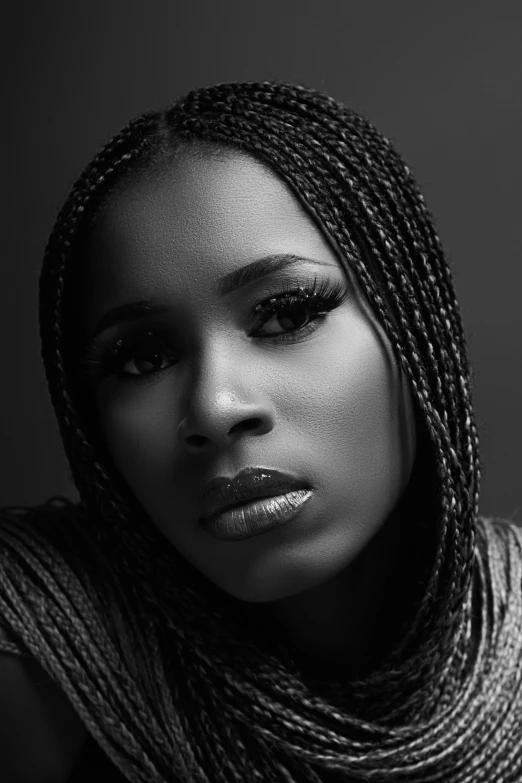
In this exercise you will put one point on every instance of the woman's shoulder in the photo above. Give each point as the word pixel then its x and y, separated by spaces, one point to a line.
pixel 41 735
pixel 26 533
pixel 51 564
pixel 54 536
pixel 45 523
pixel 50 519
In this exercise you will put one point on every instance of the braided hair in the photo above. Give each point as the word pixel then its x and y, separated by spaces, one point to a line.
pixel 239 711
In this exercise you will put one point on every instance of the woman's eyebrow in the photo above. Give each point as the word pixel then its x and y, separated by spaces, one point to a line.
pixel 262 267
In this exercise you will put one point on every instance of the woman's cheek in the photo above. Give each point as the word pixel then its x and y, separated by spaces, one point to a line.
pixel 358 422
pixel 349 392
pixel 140 433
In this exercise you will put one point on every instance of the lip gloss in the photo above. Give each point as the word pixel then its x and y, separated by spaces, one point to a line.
pixel 258 516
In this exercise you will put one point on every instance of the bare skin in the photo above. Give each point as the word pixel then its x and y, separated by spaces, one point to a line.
pixel 332 407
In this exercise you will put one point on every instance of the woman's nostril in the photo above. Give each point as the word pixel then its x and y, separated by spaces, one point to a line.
pixel 249 424
pixel 196 440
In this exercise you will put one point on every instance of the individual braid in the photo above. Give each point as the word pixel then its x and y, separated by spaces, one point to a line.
pixel 226 704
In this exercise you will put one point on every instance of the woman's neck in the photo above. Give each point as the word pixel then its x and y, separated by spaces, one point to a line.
pixel 345 627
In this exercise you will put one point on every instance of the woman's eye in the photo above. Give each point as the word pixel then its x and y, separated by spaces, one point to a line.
pixel 139 358
pixel 151 362
pixel 283 317
pixel 289 317
pixel 297 312
pixel 148 354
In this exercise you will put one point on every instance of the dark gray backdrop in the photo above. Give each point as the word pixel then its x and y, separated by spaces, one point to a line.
pixel 442 79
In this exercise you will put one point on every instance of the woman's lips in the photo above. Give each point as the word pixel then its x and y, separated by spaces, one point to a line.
pixel 255 517
pixel 250 484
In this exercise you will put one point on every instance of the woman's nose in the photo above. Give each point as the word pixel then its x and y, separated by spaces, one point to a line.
pixel 216 418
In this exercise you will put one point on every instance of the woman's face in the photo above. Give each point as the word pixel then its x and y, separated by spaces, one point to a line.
pixel 328 405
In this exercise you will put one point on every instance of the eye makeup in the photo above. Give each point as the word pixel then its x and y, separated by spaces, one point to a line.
pixel 141 344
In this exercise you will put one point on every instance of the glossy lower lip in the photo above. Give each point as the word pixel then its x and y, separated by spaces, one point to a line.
pixel 258 516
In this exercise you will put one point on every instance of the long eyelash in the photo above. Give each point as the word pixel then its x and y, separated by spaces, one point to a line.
pixel 96 357
pixel 321 299
pixel 101 361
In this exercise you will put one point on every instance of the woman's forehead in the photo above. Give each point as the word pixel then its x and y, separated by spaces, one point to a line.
pixel 201 193
pixel 201 214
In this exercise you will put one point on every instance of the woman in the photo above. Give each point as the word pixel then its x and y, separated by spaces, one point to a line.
pixel 245 285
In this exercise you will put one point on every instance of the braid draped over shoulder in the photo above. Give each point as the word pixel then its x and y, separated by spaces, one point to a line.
pixel 163 667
